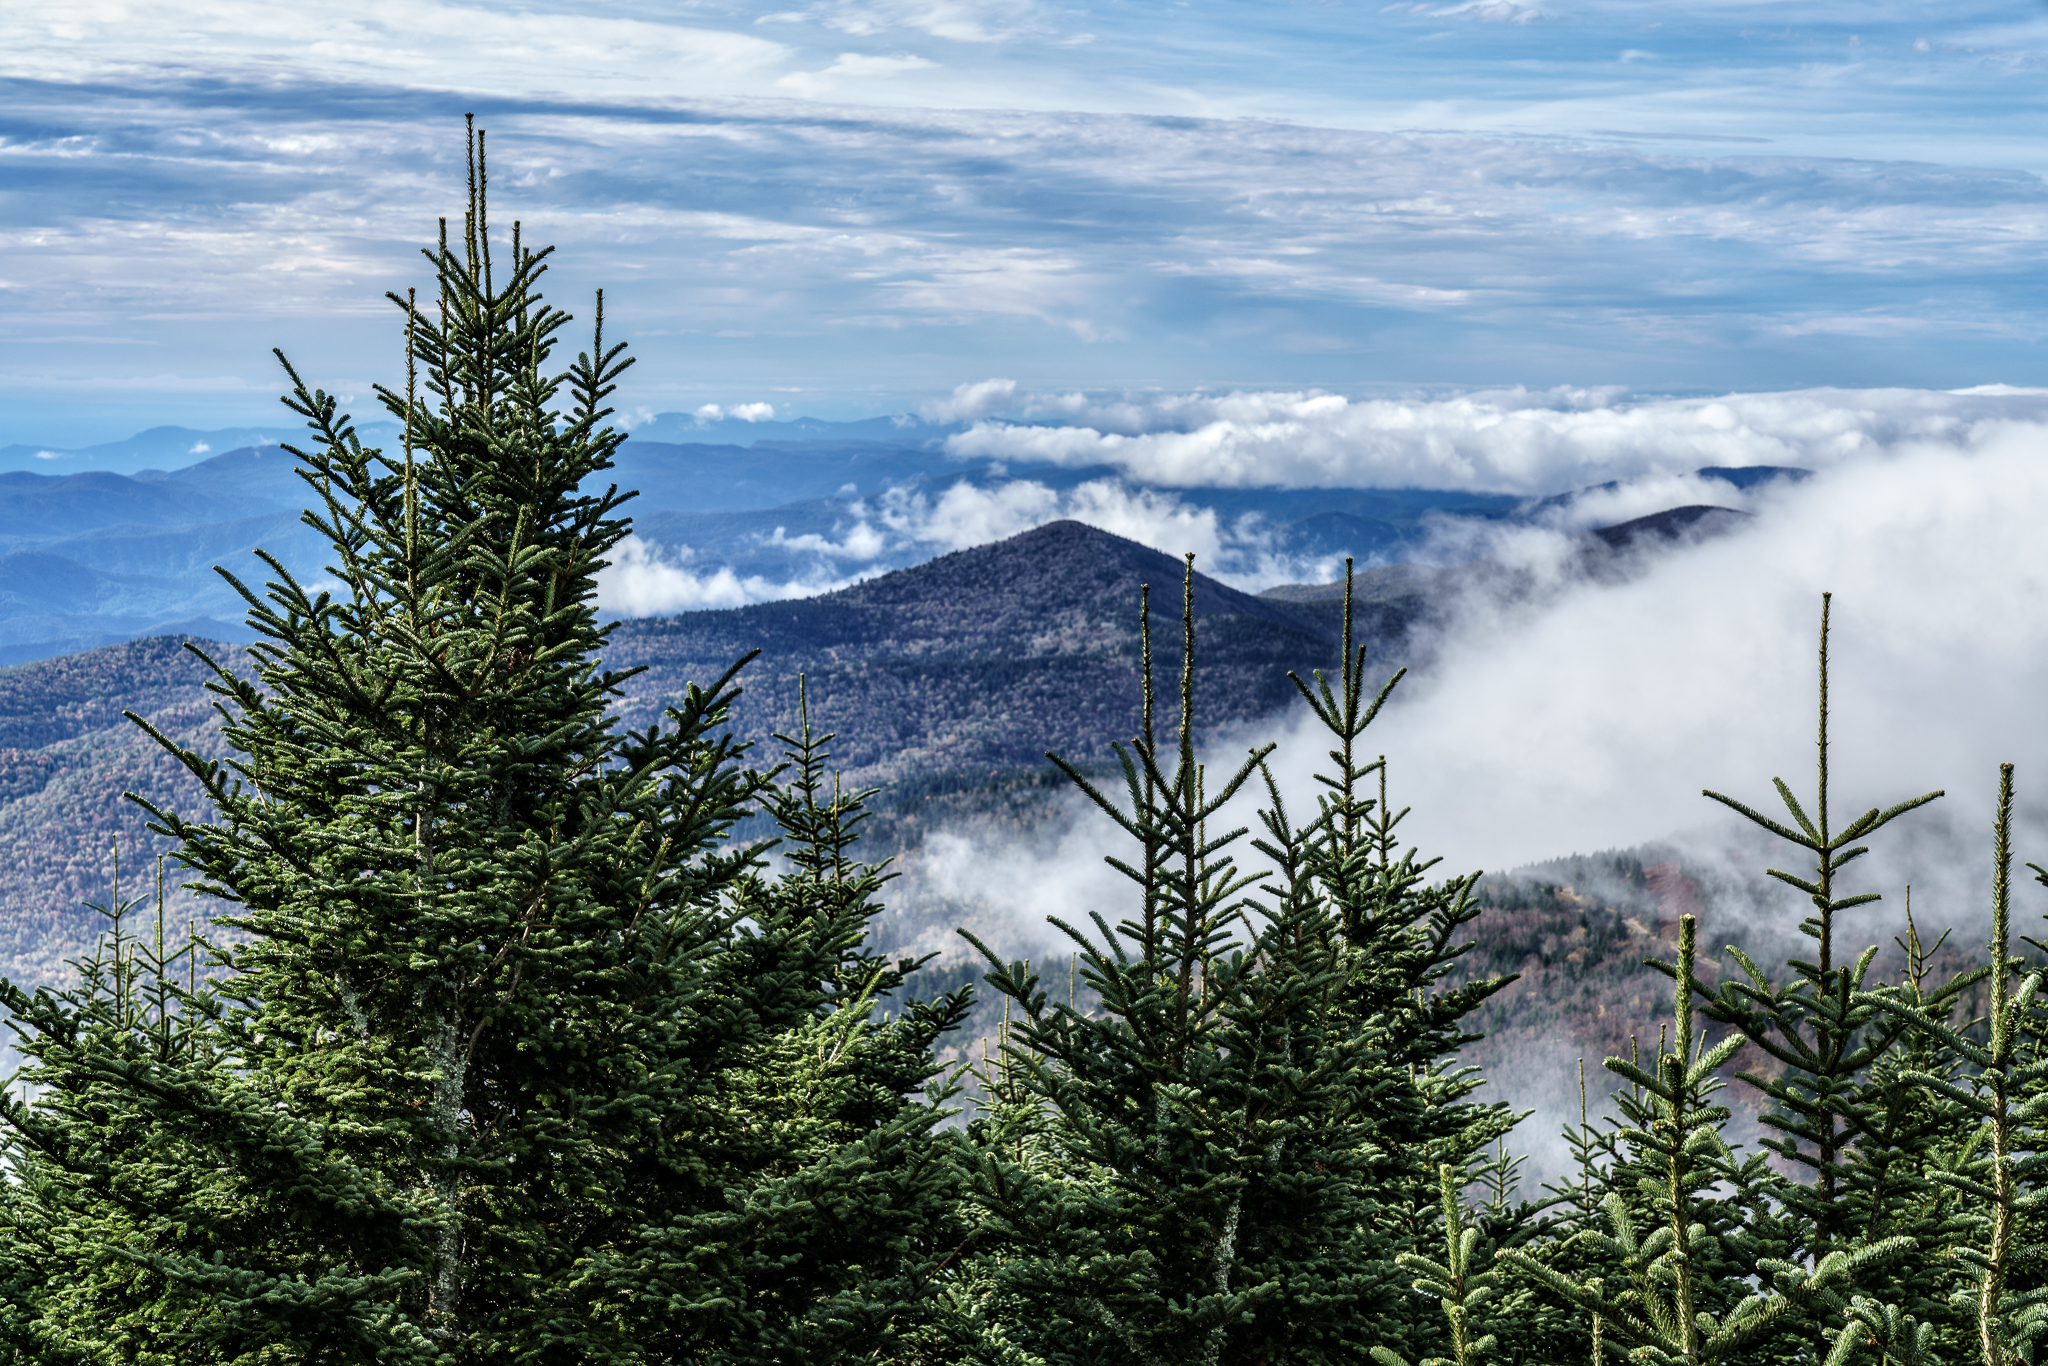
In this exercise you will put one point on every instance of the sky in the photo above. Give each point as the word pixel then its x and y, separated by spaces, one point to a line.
pixel 854 207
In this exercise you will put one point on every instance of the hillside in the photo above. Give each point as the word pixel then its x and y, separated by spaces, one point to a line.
pixel 66 755
pixel 956 675
pixel 980 661
pixel 945 682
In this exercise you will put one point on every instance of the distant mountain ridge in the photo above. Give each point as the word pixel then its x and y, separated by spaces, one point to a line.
pixel 113 556
pixel 90 555
pixel 950 677
pixel 173 447
pixel 1693 522
pixel 983 659
pixel 974 663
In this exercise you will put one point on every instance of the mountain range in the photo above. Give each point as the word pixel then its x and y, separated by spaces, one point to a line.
pixel 118 542
pixel 95 556
pixel 945 676
pixel 981 660
pixel 946 683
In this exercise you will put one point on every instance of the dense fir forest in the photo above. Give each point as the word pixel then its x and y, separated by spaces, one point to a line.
pixel 507 1046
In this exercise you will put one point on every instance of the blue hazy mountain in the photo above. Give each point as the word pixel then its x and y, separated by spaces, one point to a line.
pixel 164 448
pixel 118 541
pixel 38 507
pixel 902 430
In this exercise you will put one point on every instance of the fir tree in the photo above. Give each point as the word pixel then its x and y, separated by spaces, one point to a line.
pixel 1676 1293
pixel 1840 1108
pixel 1813 1022
pixel 2006 1102
pixel 1462 1283
pixel 1218 1164
pixel 513 1055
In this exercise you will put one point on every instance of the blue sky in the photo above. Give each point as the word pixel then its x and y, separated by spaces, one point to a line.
pixel 854 206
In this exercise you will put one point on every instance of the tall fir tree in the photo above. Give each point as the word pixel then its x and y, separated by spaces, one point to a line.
pixel 1855 1140
pixel 1221 1161
pixel 512 1054
pixel 2002 1175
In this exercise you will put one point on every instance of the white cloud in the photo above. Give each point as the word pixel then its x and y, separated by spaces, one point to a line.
pixel 1004 886
pixel 965 515
pixel 1238 551
pixel 1590 715
pixel 645 579
pixel 852 66
pixel 971 402
pixel 862 543
pixel 1511 441
pixel 989 241
pixel 906 525
pixel 738 412
pixel 199 448
pixel 1481 11
pixel 418 42
pixel 959 21
pixel 1592 718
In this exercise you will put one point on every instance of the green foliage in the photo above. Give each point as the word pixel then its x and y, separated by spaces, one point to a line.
pixel 1219 1163
pixel 1684 1295
pixel 1454 1282
pixel 2000 1173
pixel 1819 1025
pixel 510 1053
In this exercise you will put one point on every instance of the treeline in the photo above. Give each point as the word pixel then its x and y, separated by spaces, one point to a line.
pixel 508 1050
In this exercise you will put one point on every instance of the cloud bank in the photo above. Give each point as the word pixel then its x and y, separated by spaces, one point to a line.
pixel 1513 441
pixel 1596 721
pixel 648 579
pixel 1585 459
pixel 908 525
pixel 1588 715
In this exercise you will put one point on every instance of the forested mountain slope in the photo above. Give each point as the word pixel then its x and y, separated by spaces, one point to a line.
pixel 973 664
pixel 67 753
pixel 946 684
pixel 984 659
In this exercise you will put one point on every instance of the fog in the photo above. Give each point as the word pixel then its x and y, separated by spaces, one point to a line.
pixel 1507 440
pixel 1595 719
pixel 1580 714
pixel 906 525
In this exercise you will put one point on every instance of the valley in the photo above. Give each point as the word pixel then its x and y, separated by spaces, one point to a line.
pixel 945 675
pixel 945 684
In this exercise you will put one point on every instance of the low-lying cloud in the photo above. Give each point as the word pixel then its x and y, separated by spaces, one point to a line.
pixel 972 402
pixel 648 579
pixel 1582 714
pixel 1515 441
pixel 907 525
pixel 1615 457
pixel 1592 717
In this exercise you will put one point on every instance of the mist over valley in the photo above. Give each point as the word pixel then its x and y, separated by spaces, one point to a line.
pixel 1580 664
